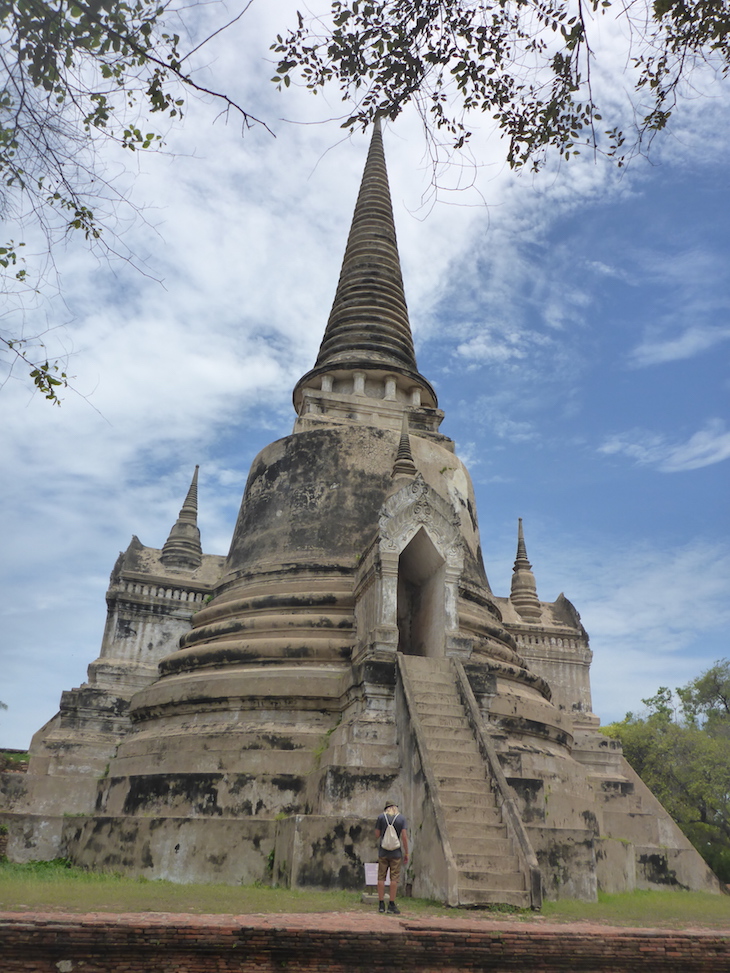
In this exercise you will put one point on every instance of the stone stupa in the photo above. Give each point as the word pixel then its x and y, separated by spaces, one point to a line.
pixel 248 715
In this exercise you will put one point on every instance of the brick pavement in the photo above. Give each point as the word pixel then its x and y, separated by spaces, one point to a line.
pixel 346 942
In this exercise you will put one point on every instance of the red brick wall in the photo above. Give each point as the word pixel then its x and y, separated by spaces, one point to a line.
pixel 347 943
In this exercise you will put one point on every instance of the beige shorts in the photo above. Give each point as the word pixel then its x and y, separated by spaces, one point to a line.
pixel 389 863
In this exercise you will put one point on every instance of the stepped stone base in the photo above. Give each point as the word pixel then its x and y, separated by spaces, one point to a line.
pixel 590 821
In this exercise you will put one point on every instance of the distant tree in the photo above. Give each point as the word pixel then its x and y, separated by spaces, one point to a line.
pixel 706 700
pixel 73 74
pixel 681 749
pixel 527 63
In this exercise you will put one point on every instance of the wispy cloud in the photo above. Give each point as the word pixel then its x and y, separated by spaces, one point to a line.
pixel 705 447
pixel 497 346
pixel 690 342
pixel 633 600
pixel 694 314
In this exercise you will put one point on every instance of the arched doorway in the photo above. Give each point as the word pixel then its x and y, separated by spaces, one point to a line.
pixel 421 598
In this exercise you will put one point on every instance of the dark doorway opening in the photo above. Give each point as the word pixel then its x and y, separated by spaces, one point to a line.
pixel 421 602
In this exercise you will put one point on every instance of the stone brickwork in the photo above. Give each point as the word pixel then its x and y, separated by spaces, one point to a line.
pixel 345 943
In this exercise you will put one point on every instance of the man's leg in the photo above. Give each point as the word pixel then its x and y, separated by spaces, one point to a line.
pixel 394 877
pixel 383 866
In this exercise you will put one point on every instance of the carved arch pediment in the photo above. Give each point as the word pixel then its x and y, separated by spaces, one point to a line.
pixel 416 505
pixel 413 508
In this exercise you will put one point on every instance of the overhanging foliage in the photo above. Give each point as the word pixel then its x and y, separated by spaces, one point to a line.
pixel 527 63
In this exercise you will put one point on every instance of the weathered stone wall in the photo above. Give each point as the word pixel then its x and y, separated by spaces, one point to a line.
pixel 225 851
pixel 342 944
pixel 314 851
pixel 35 837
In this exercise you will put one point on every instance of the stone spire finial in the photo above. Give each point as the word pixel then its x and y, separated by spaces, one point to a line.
pixel 368 326
pixel 404 465
pixel 524 591
pixel 182 548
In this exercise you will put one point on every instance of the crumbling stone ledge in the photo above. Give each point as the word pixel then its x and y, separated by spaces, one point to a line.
pixel 347 942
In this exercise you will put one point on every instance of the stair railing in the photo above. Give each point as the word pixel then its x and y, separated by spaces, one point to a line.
pixel 452 870
pixel 503 792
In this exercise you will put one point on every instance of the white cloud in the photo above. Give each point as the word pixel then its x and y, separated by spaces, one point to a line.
pixel 704 448
pixel 692 341
pixel 512 429
pixel 493 346
pixel 607 271
pixel 648 616
pixel 656 611
pixel 656 615
pixel 709 445
pixel 693 315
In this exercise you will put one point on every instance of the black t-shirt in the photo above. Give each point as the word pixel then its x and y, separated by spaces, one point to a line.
pixel 398 822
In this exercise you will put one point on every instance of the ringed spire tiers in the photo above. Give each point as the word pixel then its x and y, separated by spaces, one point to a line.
pixel 404 465
pixel 368 328
pixel 524 592
pixel 182 547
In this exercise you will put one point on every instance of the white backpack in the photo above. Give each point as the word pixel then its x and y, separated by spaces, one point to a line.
pixel 390 840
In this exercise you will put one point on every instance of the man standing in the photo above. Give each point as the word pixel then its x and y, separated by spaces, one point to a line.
pixel 389 859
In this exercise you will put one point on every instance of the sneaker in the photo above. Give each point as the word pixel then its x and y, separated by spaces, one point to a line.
pixel 393 909
pixel 381 907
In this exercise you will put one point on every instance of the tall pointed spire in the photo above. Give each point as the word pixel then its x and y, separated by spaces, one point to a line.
pixel 182 548
pixel 524 590
pixel 404 465
pixel 368 327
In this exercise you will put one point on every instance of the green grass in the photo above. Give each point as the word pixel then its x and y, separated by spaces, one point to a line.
pixel 14 758
pixel 54 887
pixel 661 909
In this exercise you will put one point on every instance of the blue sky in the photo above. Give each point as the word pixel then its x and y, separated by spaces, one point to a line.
pixel 575 325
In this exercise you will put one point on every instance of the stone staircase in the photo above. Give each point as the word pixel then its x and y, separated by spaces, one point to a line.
pixel 489 871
